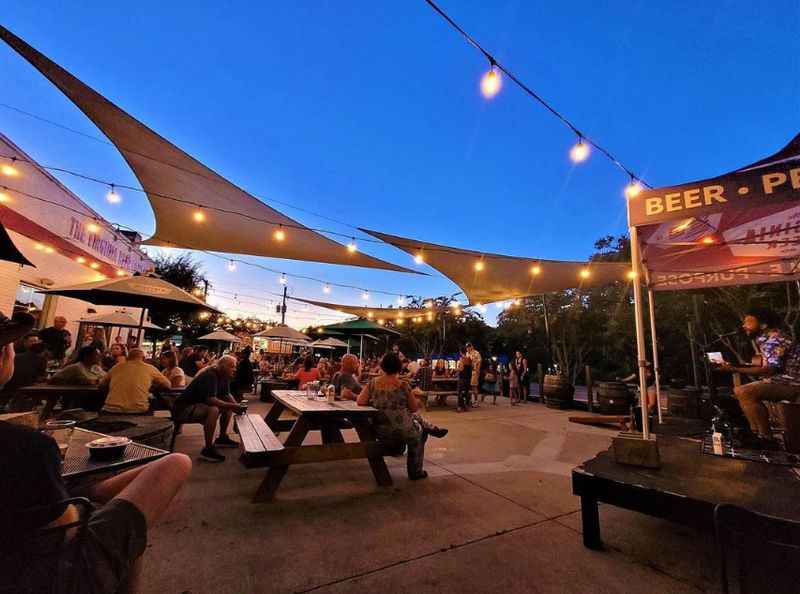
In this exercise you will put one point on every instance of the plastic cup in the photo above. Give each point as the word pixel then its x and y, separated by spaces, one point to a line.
pixel 61 432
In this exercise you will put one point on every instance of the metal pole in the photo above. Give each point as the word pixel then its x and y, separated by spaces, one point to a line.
pixel 693 355
pixel 141 325
pixel 360 348
pixel 651 301
pixel 283 307
pixel 640 347
pixel 547 332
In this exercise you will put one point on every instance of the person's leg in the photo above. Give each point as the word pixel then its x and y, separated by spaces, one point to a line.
pixel 224 420
pixel 211 425
pixel 106 490
pixel 751 397
pixel 652 402
pixel 152 489
pixel 416 456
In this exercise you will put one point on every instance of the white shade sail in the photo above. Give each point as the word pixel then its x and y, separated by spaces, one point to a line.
pixel 486 277
pixel 182 190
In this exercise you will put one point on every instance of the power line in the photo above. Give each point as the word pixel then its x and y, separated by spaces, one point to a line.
pixel 533 94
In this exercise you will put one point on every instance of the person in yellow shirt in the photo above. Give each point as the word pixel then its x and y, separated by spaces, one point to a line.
pixel 129 384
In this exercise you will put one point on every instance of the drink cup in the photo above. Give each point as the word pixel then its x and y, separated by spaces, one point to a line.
pixel 61 432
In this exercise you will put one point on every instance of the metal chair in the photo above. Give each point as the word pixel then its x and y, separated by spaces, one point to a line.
pixel 29 560
pixel 763 552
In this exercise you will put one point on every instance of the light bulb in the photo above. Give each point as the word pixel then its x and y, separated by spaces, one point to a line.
pixel 631 275
pixel 491 83
pixel 80 260
pixel 48 249
pixel 380 322
pixel 370 315
pixel 39 246
pixel 352 247
pixel 400 321
pixel 320 330
pixel 584 273
pixel 429 304
pixel 199 216
pixel 478 266
pixel 326 289
pixel 708 240
pixel 4 197
pixel 454 304
pixel 365 295
pixel 94 265
pixel 112 196
pixel 93 228
pixel 579 151
pixel 232 266
pixel 279 234
pixel 282 279
pixel 536 270
pixel 9 170
pixel 429 316
pixel 120 273
pixel 419 259
pixel 633 189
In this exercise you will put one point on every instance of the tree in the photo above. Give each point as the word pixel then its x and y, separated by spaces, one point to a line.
pixel 184 272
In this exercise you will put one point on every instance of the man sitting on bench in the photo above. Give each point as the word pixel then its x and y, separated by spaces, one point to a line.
pixel 208 398
pixel 780 367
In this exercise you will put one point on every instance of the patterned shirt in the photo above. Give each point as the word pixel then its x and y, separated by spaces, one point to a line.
pixel 782 356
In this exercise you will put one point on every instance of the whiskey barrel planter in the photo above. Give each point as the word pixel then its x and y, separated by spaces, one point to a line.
pixel 558 392
pixel 613 398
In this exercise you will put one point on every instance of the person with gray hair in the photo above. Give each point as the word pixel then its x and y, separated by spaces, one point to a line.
pixel 207 399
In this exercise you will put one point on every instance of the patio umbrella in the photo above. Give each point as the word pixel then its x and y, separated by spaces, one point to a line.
pixel 135 291
pixel 222 336
pixel 118 319
pixel 284 333
pixel 328 344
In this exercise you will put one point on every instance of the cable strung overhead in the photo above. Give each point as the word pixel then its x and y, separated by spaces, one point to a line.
pixel 218 215
pixel 486 277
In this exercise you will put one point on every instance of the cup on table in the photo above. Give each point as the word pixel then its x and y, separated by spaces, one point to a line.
pixel 61 432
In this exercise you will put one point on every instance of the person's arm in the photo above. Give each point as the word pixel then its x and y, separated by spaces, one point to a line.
pixel 413 403
pixel 363 398
pixel 106 379
pixel 6 363
pixel 159 380
pixel 178 378
pixel 64 376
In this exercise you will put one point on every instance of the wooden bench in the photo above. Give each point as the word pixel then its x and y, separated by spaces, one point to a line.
pixel 257 439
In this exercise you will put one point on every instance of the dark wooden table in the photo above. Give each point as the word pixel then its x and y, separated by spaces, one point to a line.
pixel 77 463
pixel 53 393
pixel 685 489
pixel 268 384
pixel 318 415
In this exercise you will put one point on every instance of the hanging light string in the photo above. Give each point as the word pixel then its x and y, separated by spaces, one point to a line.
pixel 494 64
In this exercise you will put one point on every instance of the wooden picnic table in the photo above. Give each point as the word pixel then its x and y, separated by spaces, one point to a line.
pixel 262 448
pixel 77 463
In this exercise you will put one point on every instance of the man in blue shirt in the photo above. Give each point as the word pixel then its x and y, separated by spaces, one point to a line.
pixel 207 399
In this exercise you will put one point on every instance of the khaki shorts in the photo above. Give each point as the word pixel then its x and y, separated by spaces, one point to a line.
pixel 193 413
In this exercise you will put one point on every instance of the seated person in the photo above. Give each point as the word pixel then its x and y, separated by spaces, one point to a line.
pixel 116 354
pixel 208 398
pixel 440 370
pixel 86 371
pixel 395 424
pixel 308 373
pixel 108 558
pixel 780 368
pixel 324 369
pixel 30 367
pixel 170 369
pixel 129 385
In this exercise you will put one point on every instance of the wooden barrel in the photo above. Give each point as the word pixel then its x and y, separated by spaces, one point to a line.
pixel 613 398
pixel 558 392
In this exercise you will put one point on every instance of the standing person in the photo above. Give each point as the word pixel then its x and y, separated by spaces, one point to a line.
pixel 394 424
pixel 524 375
pixel 513 383
pixel 490 381
pixel 207 399
pixel 57 338
pixel 474 381
pixel 170 369
pixel 464 379
pixel 243 380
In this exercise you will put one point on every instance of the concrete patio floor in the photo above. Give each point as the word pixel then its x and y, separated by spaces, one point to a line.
pixel 496 514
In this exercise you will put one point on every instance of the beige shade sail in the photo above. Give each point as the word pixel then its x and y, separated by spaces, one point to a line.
pixel 118 319
pixel 283 332
pixel 134 291
pixel 222 336
pixel 486 277
pixel 182 190
pixel 371 313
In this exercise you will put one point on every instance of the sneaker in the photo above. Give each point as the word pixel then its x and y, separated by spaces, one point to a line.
pixel 438 432
pixel 211 455
pixel 416 477
pixel 223 441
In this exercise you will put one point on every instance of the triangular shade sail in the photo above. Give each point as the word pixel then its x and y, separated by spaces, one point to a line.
pixel 738 228
pixel 178 187
pixel 281 332
pixel 372 313
pixel 118 319
pixel 221 336
pixel 486 277
pixel 134 291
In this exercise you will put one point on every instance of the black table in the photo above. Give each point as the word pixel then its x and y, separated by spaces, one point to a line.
pixel 77 463
pixel 685 489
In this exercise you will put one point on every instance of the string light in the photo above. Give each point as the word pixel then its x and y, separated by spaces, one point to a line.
pixel 80 260
pixel 536 270
pixel 232 266
pixel 39 247
pixel 199 216
pixel 631 275
pixel 93 228
pixel 282 280
pixel 279 234
pixel 429 304
pixel 479 265
pixel 365 295
pixel 113 197
pixel 320 330
pixel 4 198
pixel 9 169
pixel 419 259
pixel 94 265
pixel 120 272
pixel 380 322
pixel 370 315
pixel 352 247
pixel 633 189
pixel 429 315
pixel 579 151
pixel 584 273
pixel 491 82
pixel 400 321
pixel 204 315
pixel 326 289
pixel 417 320
pixel 708 240
pixel 48 250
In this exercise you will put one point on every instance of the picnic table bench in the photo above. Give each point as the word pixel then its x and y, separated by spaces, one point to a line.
pixel 261 447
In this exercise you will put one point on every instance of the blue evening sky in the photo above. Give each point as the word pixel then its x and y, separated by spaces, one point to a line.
pixel 370 113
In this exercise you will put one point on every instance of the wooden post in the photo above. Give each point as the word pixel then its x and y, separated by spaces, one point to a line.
pixel 589 387
pixel 540 373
